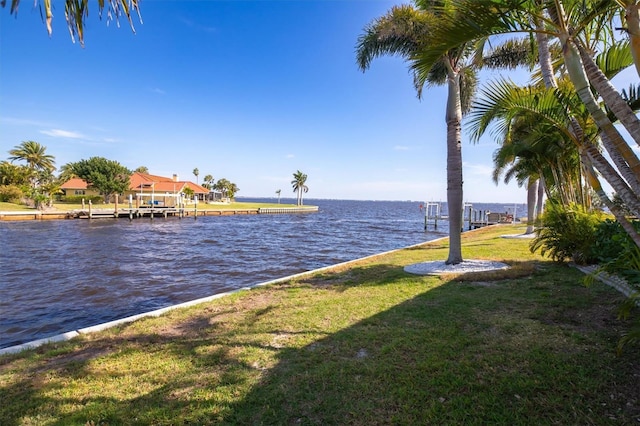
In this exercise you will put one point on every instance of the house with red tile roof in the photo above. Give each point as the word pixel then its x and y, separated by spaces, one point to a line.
pixel 146 189
pixel 76 187
pixel 160 190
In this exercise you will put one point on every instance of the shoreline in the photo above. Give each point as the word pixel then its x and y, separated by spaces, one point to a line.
pixel 22 215
pixel 68 335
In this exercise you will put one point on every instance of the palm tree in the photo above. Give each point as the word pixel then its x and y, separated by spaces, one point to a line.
pixel 34 154
pixel 208 181
pixel 278 194
pixel 557 111
pixel 405 31
pixel 196 172
pixel 577 29
pixel 76 12
pixel 298 182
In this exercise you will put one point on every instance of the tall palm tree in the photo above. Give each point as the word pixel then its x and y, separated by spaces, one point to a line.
pixel 278 192
pixel 76 12
pixel 196 172
pixel 34 154
pixel 299 185
pixel 576 29
pixel 406 31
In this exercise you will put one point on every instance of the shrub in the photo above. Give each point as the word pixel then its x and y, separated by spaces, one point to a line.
pixel 567 233
pixel 616 252
pixel 10 193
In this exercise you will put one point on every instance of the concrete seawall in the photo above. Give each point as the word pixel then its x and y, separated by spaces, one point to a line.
pixel 99 327
pixel 142 212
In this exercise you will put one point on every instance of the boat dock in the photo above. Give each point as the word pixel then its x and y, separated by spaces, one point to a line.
pixel 147 212
pixel 471 219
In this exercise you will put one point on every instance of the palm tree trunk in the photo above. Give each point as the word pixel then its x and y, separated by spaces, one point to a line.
pixel 632 16
pixel 544 57
pixel 454 168
pixel 610 95
pixel 613 178
pixel 540 198
pixel 532 190
pixel 618 149
pixel 617 213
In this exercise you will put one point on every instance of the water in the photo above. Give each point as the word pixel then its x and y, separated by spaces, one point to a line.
pixel 57 276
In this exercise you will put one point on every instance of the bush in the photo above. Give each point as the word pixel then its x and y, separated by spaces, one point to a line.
pixel 10 193
pixel 568 233
pixel 616 252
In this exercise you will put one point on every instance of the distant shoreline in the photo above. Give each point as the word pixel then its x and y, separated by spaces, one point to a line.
pixel 109 213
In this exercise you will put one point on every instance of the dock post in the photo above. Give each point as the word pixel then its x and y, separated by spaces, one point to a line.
pixel 90 213
pixel 435 219
pixel 195 207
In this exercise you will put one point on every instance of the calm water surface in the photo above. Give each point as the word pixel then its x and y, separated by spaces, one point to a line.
pixel 57 276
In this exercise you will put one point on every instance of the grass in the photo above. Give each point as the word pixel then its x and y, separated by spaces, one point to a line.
pixel 4 206
pixel 362 344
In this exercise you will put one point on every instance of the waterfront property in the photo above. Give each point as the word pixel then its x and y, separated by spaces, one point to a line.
pixel 76 187
pixel 160 191
pixel 361 344
pixel 148 189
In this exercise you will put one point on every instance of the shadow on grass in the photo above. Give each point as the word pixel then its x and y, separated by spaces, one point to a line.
pixel 480 351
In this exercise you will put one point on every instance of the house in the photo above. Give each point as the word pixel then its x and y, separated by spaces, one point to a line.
pixel 76 187
pixel 161 191
pixel 146 189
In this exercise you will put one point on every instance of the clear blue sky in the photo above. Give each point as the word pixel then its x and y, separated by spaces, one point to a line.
pixel 246 90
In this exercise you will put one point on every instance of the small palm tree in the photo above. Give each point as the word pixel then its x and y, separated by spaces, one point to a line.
pixel 298 182
pixel 208 181
pixel 278 194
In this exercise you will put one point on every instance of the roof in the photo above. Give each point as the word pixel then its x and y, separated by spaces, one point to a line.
pixel 74 183
pixel 144 182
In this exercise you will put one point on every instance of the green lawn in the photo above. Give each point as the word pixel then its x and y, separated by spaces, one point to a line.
pixel 364 344
pixel 4 206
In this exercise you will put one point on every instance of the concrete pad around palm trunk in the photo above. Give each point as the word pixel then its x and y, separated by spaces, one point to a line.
pixel 439 267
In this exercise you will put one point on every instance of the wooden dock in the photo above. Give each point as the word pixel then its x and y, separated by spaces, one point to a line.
pixel 471 219
pixel 151 212
pixel 145 212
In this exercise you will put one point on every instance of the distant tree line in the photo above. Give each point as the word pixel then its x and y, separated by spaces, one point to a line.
pixel 27 176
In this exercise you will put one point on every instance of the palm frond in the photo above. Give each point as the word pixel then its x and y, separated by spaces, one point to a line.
pixel 615 59
pixel 512 54
pixel 399 32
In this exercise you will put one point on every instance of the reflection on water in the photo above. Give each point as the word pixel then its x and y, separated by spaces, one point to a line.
pixel 57 276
